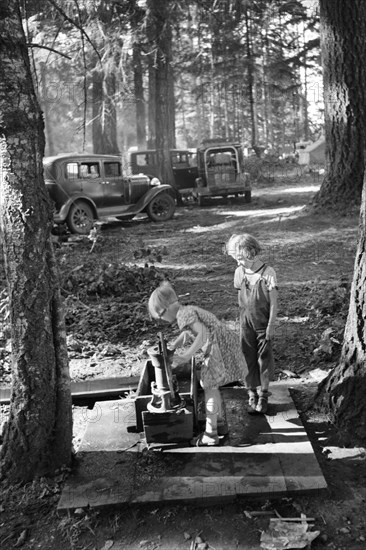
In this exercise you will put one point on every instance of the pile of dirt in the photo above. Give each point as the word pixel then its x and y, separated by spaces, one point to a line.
pixel 107 303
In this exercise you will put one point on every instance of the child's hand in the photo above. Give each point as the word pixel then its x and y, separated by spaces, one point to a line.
pixel 186 337
pixel 182 340
pixel 270 332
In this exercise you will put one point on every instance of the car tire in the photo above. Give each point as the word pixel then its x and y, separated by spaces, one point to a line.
pixel 248 196
pixel 80 219
pixel 161 208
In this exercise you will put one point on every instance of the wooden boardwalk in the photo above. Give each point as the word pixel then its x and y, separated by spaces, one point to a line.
pixel 97 388
pixel 264 456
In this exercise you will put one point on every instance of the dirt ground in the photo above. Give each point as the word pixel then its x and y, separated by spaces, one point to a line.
pixel 109 332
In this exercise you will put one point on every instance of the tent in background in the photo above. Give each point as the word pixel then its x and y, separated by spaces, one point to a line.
pixel 314 154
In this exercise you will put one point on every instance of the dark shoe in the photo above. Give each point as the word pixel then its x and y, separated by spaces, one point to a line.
pixel 262 404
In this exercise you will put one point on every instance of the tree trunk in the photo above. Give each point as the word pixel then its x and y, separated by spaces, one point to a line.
pixel 343 28
pixel 50 146
pixel 306 93
pixel 37 436
pixel 343 392
pixel 104 113
pixel 171 102
pixel 151 140
pixel 159 14
pixel 252 88
pixel 139 97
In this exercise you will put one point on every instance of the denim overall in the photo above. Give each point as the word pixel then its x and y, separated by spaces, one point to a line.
pixel 254 314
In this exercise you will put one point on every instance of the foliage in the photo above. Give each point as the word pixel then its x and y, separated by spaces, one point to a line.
pixel 210 62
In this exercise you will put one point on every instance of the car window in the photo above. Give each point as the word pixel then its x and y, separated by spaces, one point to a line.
pixel 84 170
pixel 112 169
pixel 179 158
pixel 192 159
pixel 89 170
pixel 142 159
pixel 72 170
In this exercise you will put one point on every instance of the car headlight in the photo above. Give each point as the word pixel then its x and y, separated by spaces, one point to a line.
pixel 154 182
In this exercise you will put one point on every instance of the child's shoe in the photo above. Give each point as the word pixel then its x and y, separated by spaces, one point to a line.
pixel 205 440
pixel 262 404
pixel 253 399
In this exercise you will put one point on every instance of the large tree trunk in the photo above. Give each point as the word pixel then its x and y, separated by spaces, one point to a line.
pixel 159 16
pixel 343 31
pixel 151 140
pixel 104 113
pixel 44 101
pixel 343 392
pixel 37 437
pixel 139 97
pixel 252 87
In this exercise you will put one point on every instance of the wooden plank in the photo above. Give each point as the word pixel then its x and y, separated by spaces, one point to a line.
pixel 106 427
pixel 97 387
pixel 168 427
pixel 141 402
pixel 213 489
pixel 264 456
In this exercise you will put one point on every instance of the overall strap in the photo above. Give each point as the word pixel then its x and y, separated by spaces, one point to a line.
pixel 256 271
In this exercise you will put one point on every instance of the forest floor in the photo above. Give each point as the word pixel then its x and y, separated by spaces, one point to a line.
pixel 106 282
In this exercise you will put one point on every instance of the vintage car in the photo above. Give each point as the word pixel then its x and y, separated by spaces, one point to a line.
pixel 184 165
pixel 86 187
pixel 221 171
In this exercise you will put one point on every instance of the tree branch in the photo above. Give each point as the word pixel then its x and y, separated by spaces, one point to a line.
pixel 82 31
pixel 32 45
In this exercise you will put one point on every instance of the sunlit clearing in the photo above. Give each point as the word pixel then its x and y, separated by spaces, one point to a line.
pixel 211 228
pixel 293 319
pixel 175 267
pixel 306 189
pixel 270 212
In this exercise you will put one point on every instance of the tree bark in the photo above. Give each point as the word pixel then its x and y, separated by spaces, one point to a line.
pixel 38 434
pixel 159 16
pixel 252 87
pixel 44 101
pixel 343 28
pixel 343 391
pixel 151 140
pixel 139 97
pixel 104 113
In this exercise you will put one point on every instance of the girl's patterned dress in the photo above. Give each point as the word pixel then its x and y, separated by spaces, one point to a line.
pixel 224 360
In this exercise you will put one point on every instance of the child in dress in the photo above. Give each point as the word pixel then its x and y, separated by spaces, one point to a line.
pixel 257 294
pixel 224 361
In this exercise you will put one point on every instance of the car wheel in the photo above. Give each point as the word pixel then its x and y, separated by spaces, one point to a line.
pixel 248 196
pixel 80 219
pixel 161 208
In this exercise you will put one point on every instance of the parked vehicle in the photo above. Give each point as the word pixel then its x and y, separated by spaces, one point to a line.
pixel 221 171
pixel 184 164
pixel 86 187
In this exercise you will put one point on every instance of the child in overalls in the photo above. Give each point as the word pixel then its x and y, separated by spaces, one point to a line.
pixel 257 295
pixel 224 361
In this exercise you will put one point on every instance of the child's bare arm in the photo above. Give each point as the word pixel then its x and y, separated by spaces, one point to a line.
pixel 272 314
pixel 201 338
pixel 181 340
